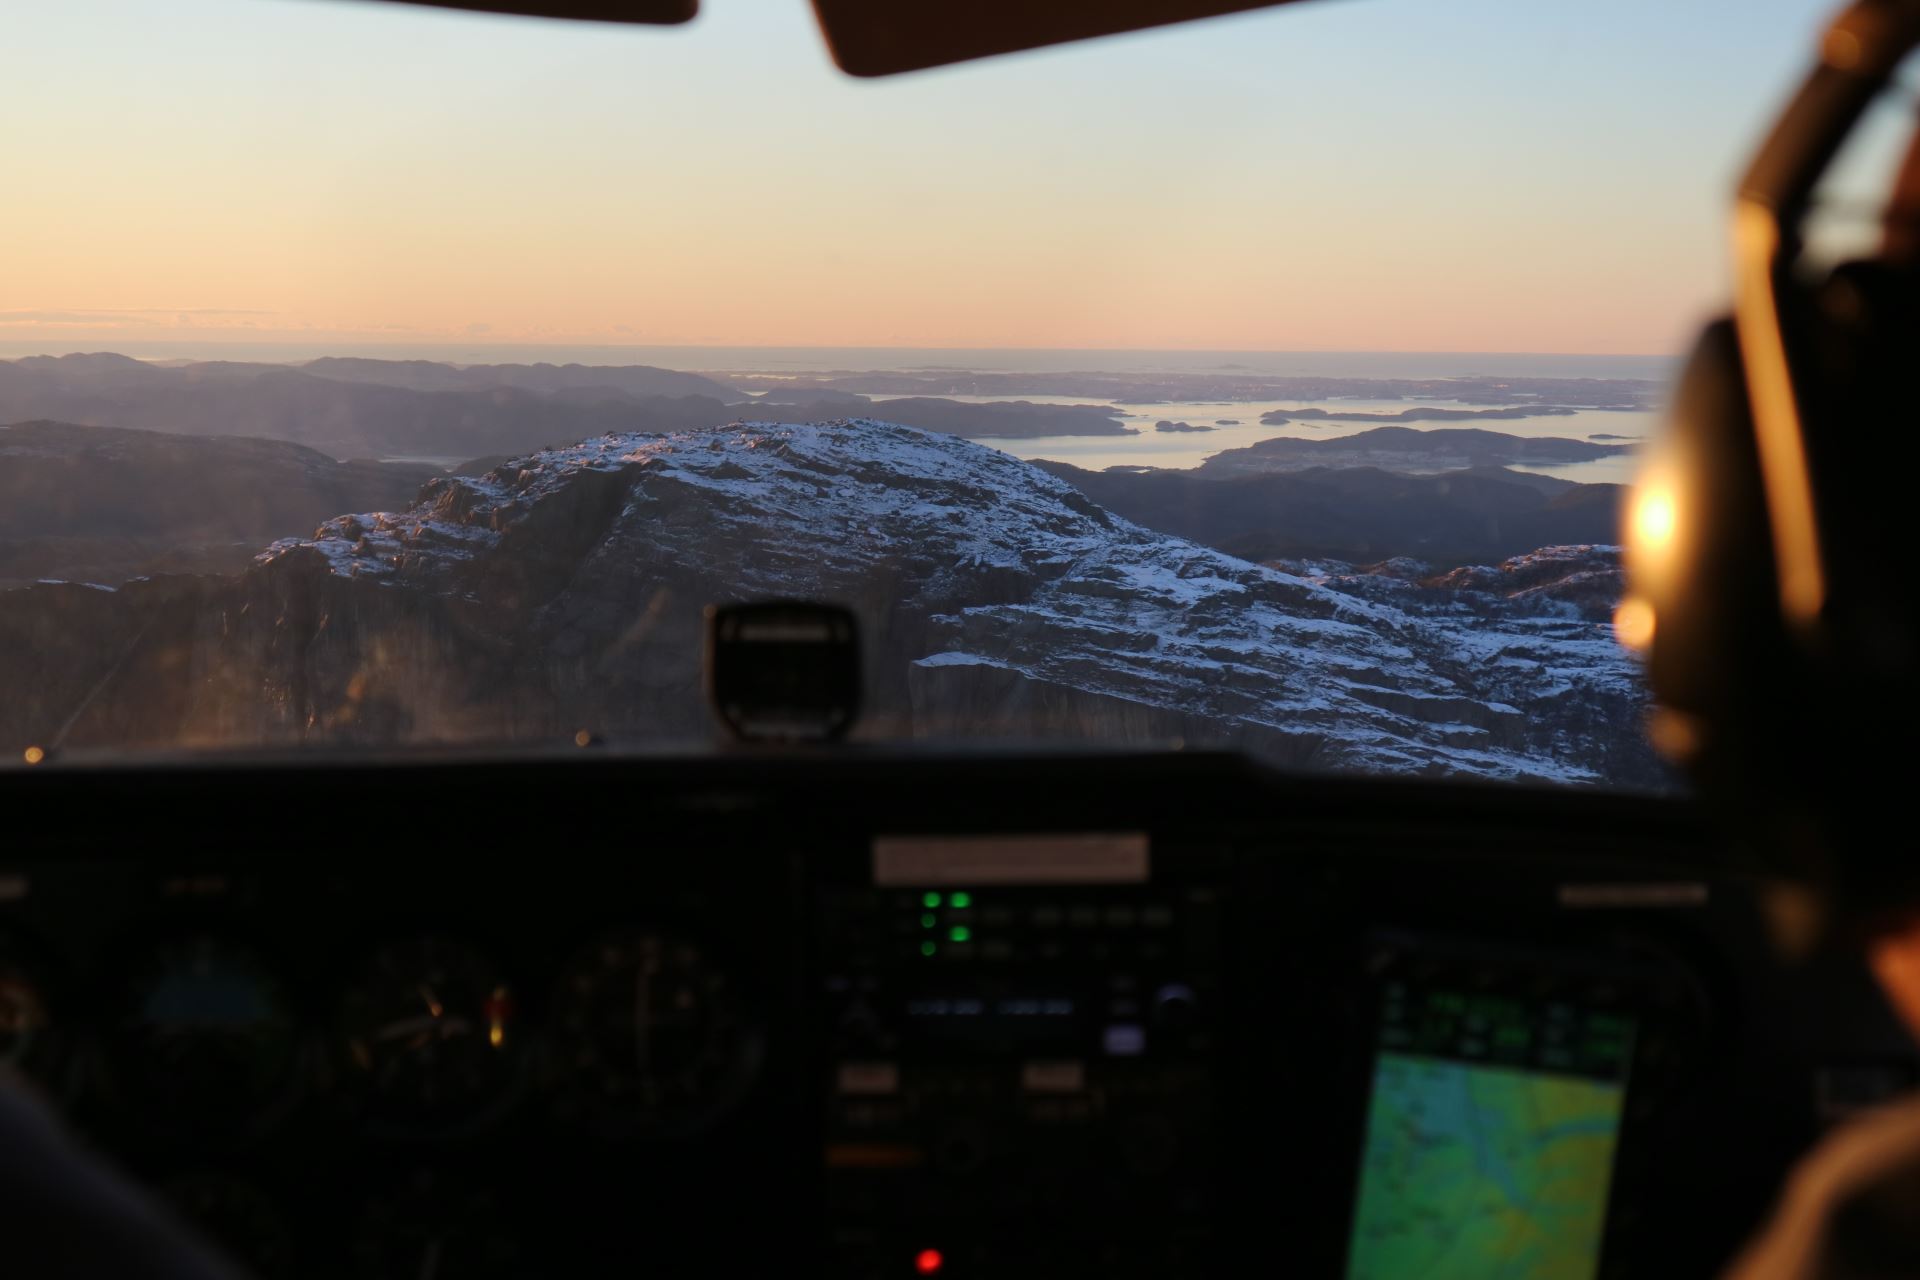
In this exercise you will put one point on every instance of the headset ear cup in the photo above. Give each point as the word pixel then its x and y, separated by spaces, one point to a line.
pixel 1719 663
pixel 1797 739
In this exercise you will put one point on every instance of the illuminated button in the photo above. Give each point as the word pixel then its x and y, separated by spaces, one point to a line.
pixel 866 1079
pixel 1053 1077
pixel 1125 1039
pixel 928 1262
pixel 961 901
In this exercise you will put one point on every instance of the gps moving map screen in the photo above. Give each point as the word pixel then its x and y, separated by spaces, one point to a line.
pixel 1490 1138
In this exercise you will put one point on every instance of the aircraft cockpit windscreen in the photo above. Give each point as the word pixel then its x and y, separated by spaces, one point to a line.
pixel 375 376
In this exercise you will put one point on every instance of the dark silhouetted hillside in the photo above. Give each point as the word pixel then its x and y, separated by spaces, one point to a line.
pixel 97 504
pixel 1360 514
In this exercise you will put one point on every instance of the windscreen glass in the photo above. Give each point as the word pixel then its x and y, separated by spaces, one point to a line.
pixel 377 377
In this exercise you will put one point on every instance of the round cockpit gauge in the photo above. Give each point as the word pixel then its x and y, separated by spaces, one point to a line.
pixel 207 1033
pixel 24 1022
pixel 238 1217
pixel 648 1032
pixel 430 1037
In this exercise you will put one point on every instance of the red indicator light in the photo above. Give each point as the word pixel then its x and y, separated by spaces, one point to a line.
pixel 928 1262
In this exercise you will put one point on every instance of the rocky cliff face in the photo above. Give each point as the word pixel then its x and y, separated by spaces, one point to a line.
pixel 564 591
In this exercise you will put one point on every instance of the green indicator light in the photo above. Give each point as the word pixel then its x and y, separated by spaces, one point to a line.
pixel 930 900
pixel 928 920
pixel 927 948
pixel 959 933
pixel 962 900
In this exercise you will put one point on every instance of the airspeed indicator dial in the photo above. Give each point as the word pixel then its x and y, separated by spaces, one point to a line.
pixel 23 1019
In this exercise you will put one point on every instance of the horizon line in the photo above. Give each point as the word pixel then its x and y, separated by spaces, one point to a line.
pixel 777 346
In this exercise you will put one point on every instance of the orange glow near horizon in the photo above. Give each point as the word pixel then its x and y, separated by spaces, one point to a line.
pixel 263 170
pixel 948 274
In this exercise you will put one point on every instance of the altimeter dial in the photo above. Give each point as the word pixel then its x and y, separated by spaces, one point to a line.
pixel 649 1031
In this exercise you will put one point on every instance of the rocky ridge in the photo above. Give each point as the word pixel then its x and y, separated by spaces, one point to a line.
pixel 564 590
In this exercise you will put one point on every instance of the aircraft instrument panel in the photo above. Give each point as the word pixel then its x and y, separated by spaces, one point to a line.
pixel 891 1017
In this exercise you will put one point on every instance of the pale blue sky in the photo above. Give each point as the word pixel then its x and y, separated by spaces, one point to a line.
pixel 1371 174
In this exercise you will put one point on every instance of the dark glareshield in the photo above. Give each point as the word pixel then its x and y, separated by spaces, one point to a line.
pixel 649 12
pixel 882 37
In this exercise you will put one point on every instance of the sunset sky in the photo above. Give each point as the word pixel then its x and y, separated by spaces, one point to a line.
pixel 1451 175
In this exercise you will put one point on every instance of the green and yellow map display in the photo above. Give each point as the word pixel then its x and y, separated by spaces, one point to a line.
pixel 1485 1170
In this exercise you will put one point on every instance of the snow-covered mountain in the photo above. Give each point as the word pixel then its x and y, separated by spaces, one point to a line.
pixel 564 591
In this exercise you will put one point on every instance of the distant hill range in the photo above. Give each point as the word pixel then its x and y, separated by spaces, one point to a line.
pixel 1407 449
pixel 639 381
pixel 101 505
pixel 1534 395
pixel 1421 413
pixel 1359 514
pixel 352 408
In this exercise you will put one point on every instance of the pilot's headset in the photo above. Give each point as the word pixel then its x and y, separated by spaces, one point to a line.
pixel 1773 535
